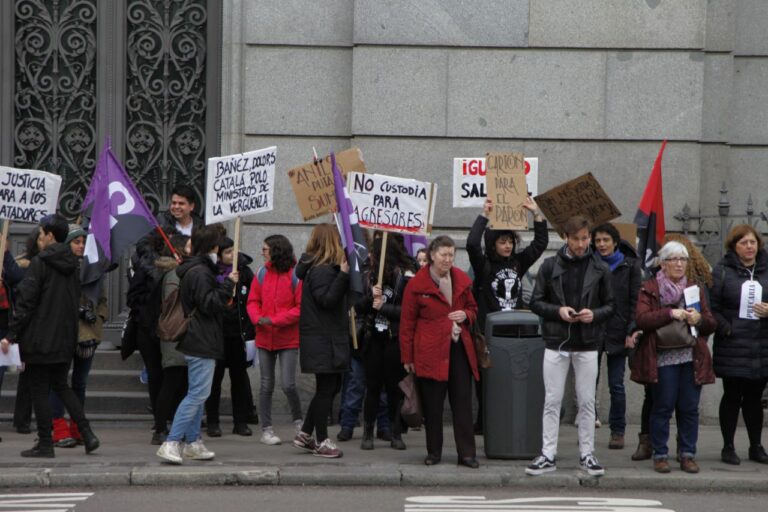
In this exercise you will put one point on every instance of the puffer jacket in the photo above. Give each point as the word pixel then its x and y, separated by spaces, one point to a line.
pixel 498 282
pixel 651 316
pixel 45 320
pixel 626 279
pixel 204 301
pixel 324 341
pixel 741 345
pixel 548 297
pixel 277 299
pixel 425 330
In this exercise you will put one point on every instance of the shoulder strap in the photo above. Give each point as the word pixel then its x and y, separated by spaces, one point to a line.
pixel 260 275
pixel 294 279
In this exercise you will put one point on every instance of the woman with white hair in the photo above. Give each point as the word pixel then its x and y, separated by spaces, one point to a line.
pixel 674 370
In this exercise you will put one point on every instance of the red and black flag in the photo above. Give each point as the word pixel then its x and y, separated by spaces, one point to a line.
pixel 650 215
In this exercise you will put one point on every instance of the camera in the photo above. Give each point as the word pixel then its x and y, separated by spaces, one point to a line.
pixel 87 315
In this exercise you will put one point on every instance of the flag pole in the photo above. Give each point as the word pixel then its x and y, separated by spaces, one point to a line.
pixel 176 255
pixel 382 257
pixel 4 243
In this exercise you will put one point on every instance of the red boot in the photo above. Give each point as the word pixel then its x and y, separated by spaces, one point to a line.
pixel 61 435
pixel 74 433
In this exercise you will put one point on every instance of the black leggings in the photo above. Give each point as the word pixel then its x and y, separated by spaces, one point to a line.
pixel 744 394
pixel 172 392
pixel 326 387
pixel 383 370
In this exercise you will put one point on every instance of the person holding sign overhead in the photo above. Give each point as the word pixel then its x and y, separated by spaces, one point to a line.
pixel 675 365
pixel 499 270
pixel 436 345
pixel 740 304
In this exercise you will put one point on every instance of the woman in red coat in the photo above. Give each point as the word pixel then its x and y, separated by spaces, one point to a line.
pixel 273 306
pixel 435 343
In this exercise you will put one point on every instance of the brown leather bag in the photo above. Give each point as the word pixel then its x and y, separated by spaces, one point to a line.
pixel 410 410
pixel 481 347
pixel 173 323
pixel 676 334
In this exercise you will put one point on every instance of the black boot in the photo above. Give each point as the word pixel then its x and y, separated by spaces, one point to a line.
pixel 42 449
pixel 757 454
pixel 728 455
pixel 367 442
pixel 90 440
pixel 397 442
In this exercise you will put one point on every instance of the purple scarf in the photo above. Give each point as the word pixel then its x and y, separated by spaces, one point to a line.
pixel 224 271
pixel 671 293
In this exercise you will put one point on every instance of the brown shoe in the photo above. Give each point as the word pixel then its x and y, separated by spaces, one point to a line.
pixel 616 442
pixel 689 465
pixel 661 466
pixel 644 450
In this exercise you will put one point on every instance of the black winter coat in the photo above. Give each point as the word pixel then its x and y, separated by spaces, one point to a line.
pixel 205 300
pixel 548 297
pixel 237 324
pixel 741 345
pixel 389 310
pixel 324 344
pixel 498 283
pixel 45 320
pixel 626 279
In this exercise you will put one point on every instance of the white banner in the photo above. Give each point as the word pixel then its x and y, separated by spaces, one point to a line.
pixel 26 195
pixel 240 185
pixel 394 204
pixel 469 181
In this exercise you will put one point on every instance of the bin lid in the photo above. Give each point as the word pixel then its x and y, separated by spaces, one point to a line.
pixel 512 324
pixel 515 317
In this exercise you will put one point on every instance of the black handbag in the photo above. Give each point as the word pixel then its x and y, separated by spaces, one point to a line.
pixel 676 334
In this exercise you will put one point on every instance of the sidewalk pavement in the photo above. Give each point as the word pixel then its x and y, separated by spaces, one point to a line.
pixel 126 458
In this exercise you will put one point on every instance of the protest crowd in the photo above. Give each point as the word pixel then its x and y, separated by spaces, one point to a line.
pixel 392 319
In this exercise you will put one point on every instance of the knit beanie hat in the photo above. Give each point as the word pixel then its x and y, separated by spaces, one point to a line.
pixel 75 230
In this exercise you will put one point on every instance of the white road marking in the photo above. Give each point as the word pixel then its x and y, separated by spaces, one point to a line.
pixel 538 504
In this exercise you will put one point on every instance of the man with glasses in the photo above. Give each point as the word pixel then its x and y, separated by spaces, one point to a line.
pixel 574 297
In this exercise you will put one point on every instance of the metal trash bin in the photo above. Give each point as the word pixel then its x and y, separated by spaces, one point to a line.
pixel 513 388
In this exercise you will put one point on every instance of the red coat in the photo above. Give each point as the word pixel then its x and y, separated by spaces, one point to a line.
pixel 277 299
pixel 650 316
pixel 425 330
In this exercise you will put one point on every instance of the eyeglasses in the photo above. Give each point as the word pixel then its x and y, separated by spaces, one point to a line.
pixel 676 260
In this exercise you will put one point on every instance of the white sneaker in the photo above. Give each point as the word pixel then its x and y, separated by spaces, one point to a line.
pixel 170 451
pixel 297 424
pixel 269 437
pixel 197 451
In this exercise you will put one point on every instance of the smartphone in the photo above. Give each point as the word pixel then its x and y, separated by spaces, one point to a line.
pixel 573 314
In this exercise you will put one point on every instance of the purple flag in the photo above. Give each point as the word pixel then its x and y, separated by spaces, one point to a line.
pixel 351 233
pixel 415 242
pixel 117 217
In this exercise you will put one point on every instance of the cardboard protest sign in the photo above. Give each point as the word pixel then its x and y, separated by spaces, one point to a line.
pixel 26 195
pixel 388 203
pixel 240 185
pixel 628 232
pixel 580 196
pixel 469 190
pixel 505 181
pixel 313 183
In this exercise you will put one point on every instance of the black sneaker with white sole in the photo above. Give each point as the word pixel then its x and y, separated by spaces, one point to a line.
pixel 540 465
pixel 589 464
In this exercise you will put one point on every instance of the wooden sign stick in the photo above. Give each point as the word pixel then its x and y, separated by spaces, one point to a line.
pixel 4 243
pixel 382 257
pixel 236 248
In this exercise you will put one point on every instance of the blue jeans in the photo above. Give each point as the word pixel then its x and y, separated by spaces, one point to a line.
pixel 352 395
pixel 80 370
pixel 189 414
pixel 676 388
pixel 617 412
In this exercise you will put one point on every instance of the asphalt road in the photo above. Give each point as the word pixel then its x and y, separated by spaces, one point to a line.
pixel 367 499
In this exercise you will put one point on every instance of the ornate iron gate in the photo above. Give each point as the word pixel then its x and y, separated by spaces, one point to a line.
pixel 144 72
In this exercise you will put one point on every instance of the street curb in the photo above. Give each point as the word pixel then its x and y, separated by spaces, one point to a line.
pixel 25 478
pixel 213 476
pixel 76 477
pixel 335 475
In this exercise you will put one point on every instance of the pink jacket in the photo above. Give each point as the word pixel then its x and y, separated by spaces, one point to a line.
pixel 276 299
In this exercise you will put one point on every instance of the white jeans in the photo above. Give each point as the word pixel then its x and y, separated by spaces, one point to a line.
pixel 556 366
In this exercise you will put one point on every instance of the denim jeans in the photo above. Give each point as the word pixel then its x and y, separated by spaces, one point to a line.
pixel 267 360
pixel 352 395
pixel 189 414
pixel 617 412
pixel 675 388
pixel 80 370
